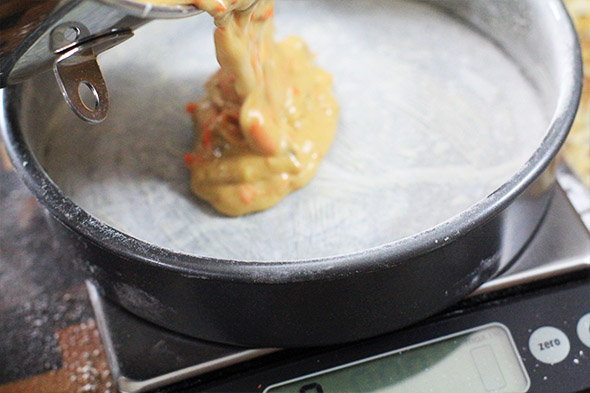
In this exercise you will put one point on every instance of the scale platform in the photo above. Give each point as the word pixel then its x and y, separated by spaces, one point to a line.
pixel 145 357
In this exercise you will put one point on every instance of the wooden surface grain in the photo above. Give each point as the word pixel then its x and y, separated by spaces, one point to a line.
pixel 49 342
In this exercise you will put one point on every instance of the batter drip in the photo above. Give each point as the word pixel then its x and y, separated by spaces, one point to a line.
pixel 268 116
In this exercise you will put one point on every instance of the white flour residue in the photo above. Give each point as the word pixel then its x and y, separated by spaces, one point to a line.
pixel 434 117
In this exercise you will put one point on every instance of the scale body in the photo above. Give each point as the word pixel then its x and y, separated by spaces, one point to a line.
pixel 527 330
pixel 546 335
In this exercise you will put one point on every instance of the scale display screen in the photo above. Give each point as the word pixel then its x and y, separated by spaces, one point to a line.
pixel 483 360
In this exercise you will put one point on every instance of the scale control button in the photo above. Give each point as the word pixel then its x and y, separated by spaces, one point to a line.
pixel 549 345
pixel 584 329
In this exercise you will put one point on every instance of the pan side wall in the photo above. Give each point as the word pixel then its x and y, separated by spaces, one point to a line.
pixel 313 312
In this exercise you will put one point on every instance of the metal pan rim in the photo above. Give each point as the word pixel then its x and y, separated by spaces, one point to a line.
pixel 151 11
pixel 334 267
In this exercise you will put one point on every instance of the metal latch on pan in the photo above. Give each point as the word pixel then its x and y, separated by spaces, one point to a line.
pixel 68 35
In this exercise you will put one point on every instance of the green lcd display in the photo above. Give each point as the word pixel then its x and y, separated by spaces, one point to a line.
pixel 473 361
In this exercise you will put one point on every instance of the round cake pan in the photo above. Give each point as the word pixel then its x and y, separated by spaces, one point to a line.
pixel 452 113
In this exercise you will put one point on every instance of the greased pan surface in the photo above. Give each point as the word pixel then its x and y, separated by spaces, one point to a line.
pixel 428 191
pixel 426 103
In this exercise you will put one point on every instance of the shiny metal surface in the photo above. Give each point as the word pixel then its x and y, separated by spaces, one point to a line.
pixel 560 246
pixel 77 69
pixel 25 31
pixel 204 356
pixel 29 32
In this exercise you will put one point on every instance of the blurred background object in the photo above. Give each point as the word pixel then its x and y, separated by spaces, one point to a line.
pixel 577 147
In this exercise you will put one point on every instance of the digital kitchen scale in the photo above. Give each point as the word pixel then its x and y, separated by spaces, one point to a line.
pixel 527 330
